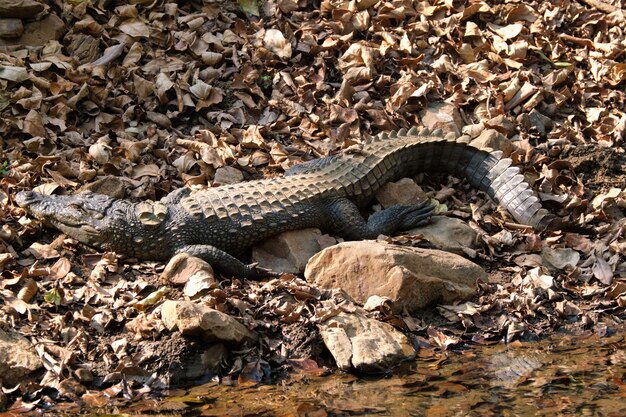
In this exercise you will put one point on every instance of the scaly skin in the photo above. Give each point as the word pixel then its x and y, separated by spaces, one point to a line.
pixel 217 223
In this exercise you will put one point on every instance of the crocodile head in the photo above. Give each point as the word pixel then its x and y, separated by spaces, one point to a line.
pixel 94 219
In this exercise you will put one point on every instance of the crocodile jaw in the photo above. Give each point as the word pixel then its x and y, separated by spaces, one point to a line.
pixel 82 217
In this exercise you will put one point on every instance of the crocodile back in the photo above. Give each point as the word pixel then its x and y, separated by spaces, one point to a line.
pixel 359 172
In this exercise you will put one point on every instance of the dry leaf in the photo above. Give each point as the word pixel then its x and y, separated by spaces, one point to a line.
pixel 275 41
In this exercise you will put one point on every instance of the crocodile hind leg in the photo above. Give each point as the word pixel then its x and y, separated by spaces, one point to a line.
pixel 226 264
pixel 347 221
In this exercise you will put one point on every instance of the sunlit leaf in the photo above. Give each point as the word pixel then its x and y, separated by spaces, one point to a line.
pixel 53 296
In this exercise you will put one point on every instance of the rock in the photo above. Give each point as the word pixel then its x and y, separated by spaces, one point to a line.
pixel 412 278
pixel 364 344
pixel 405 192
pixel 109 185
pixel 288 252
pixel 21 9
pixel 202 322
pixel 184 269
pixel 227 175
pixel 11 28
pixel 39 33
pixel 324 241
pixel 18 358
pixel 199 365
pixel 442 116
pixel 491 138
pixel 447 233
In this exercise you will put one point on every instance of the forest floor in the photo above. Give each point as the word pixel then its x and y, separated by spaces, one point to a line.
pixel 265 89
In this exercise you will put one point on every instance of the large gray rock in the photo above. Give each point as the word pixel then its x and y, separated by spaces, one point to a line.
pixel 412 278
pixel 448 233
pixel 287 252
pixel 364 344
pixel 18 358
pixel 197 320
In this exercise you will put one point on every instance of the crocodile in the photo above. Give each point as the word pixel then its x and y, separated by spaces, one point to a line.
pixel 218 224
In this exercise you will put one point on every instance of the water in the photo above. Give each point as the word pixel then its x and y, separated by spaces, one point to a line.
pixel 581 375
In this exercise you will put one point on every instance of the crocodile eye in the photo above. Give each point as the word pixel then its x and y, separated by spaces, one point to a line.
pixel 119 213
pixel 78 207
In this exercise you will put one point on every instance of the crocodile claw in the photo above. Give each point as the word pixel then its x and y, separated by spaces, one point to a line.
pixel 255 271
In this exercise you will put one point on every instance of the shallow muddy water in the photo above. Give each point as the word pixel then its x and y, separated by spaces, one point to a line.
pixel 563 376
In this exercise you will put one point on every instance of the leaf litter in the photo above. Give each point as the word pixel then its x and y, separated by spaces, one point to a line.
pixel 162 95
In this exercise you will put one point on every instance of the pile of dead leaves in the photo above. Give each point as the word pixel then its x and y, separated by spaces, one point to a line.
pixel 162 94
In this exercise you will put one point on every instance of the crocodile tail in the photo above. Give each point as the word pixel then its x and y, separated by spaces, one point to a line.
pixel 489 171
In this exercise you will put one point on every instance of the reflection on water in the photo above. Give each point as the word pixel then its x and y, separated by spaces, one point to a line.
pixel 564 376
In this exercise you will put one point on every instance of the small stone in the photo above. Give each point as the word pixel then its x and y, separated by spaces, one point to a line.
pixel 21 9
pixel 491 138
pixel 194 273
pixel 412 278
pixel 443 116
pixel 448 233
pixel 288 252
pixel 11 28
pixel 18 358
pixel 326 241
pixel 227 175
pixel 196 320
pixel 364 344
pixel 405 192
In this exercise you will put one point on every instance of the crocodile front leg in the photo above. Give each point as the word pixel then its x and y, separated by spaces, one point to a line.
pixel 226 264
pixel 346 219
